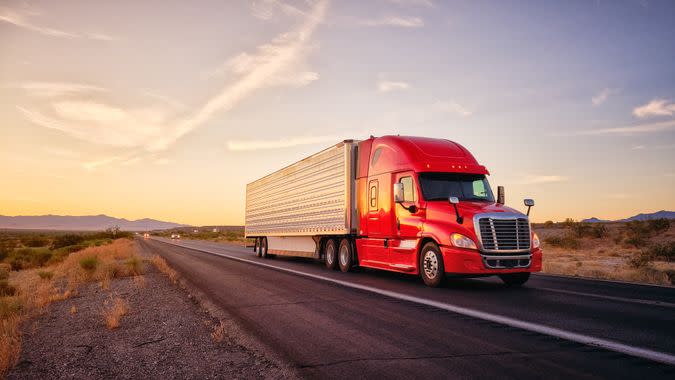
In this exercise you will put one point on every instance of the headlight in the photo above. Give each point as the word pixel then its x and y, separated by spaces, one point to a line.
pixel 535 240
pixel 461 241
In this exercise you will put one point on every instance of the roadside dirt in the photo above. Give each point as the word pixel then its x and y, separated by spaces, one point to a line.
pixel 165 334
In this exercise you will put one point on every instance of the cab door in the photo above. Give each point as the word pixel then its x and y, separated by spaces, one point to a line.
pixel 408 224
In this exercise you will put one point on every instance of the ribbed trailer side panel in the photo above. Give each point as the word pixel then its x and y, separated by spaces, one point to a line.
pixel 310 197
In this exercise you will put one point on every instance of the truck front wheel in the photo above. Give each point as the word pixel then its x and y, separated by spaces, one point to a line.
pixel 330 254
pixel 515 279
pixel 431 265
pixel 345 255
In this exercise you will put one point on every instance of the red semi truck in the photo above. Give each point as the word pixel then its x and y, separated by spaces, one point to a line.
pixel 415 205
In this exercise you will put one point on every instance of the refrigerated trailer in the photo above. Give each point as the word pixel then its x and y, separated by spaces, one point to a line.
pixel 408 204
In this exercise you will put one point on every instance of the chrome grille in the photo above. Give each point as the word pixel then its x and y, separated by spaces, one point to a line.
pixel 504 234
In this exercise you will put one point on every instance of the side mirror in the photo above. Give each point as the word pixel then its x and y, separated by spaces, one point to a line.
pixel 398 192
pixel 454 201
pixel 529 203
pixel 500 195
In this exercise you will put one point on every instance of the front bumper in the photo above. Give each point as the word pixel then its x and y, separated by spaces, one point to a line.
pixel 465 261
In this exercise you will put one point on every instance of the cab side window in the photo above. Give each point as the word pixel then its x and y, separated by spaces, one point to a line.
pixel 372 197
pixel 409 193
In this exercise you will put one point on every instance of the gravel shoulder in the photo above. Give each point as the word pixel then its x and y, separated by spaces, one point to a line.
pixel 165 334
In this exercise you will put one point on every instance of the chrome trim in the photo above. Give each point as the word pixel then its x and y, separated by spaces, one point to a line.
pixel 510 257
pixel 502 216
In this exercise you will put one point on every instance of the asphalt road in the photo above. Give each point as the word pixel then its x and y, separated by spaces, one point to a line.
pixel 395 327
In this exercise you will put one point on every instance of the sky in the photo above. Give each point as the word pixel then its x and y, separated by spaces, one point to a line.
pixel 166 109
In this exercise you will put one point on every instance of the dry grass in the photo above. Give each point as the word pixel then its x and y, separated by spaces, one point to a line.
pixel 610 256
pixel 113 310
pixel 163 267
pixel 34 289
pixel 218 333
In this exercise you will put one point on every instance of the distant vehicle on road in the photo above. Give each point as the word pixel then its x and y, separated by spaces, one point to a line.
pixel 407 204
pixel 175 236
pixel 146 235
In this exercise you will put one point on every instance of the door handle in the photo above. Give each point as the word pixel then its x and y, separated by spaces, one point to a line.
pixel 398 224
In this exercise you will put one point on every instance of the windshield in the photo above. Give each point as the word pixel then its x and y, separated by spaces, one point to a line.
pixel 466 187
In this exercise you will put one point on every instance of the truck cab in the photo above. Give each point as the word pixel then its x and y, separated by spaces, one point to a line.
pixel 426 207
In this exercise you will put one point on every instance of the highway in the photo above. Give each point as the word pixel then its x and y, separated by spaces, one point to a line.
pixel 374 324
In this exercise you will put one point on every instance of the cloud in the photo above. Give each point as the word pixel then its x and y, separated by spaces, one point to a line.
pixel 657 107
pixel 602 96
pixel 156 128
pixel 387 86
pixel 452 107
pixel 283 142
pixel 272 64
pixel 638 147
pixel 21 20
pixel 395 21
pixel 420 3
pixel 56 89
pixel 632 130
pixel 268 9
pixel 538 179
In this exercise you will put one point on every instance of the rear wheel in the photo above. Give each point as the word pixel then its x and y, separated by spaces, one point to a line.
pixel 330 254
pixel 263 248
pixel 431 265
pixel 515 279
pixel 345 256
pixel 257 247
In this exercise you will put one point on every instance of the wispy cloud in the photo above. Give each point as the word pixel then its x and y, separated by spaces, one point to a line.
pixel 268 9
pixel 272 64
pixel 21 20
pixel 387 86
pixel 453 107
pixel 538 179
pixel 283 142
pixel 395 21
pixel 632 130
pixel 56 89
pixel 156 128
pixel 657 107
pixel 602 96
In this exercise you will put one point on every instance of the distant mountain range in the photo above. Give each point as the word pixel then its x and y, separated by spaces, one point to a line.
pixel 655 215
pixel 82 223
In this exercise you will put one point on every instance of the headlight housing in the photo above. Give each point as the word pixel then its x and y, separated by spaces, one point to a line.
pixel 535 240
pixel 461 241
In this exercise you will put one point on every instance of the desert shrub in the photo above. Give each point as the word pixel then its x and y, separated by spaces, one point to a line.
pixel 663 252
pixel 640 260
pixel 89 263
pixel 579 229
pixel 565 241
pixel 548 223
pixel 6 248
pixel 6 289
pixel 657 226
pixel 26 258
pixel 35 241
pixel 135 266
pixel 4 271
pixel 66 240
pixel 598 231
pixel 113 310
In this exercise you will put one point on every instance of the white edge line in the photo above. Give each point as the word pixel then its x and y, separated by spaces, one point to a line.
pixel 639 352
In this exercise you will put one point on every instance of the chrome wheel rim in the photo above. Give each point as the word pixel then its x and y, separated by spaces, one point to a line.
pixel 330 252
pixel 344 255
pixel 430 264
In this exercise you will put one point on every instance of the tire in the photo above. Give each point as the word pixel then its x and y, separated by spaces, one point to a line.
pixel 330 250
pixel 515 279
pixel 258 248
pixel 431 265
pixel 345 255
pixel 263 248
